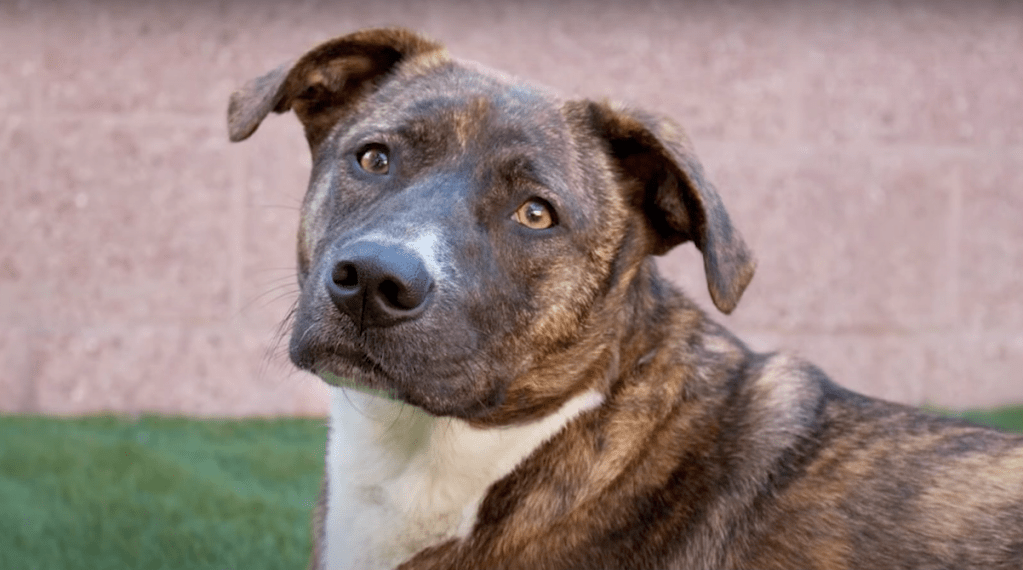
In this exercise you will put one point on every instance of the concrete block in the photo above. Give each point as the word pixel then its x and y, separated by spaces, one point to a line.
pixel 976 370
pixel 909 72
pixel 845 240
pixel 17 382
pixel 145 369
pixel 122 222
pixel 991 249
pixel 20 58
pixel 21 206
pixel 142 57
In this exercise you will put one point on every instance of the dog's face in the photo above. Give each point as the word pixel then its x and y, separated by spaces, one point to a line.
pixel 441 233
pixel 467 243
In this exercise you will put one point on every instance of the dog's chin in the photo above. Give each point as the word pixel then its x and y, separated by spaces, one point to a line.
pixel 440 395
pixel 352 384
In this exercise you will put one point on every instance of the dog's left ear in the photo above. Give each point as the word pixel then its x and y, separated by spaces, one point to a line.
pixel 666 183
pixel 325 83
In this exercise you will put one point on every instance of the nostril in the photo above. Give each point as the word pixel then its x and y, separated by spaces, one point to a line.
pixel 345 275
pixel 391 292
pixel 398 296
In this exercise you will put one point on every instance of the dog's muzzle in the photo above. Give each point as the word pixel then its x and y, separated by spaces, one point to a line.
pixel 378 285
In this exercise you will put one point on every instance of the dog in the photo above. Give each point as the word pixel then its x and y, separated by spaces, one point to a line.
pixel 514 386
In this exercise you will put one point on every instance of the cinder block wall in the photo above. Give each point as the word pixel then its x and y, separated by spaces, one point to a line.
pixel 872 154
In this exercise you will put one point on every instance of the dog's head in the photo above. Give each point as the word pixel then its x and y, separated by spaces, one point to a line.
pixel 467 242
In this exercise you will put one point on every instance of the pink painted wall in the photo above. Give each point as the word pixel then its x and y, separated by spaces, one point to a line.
pixel 872 154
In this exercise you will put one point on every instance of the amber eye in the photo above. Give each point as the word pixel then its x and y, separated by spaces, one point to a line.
pixel 535 214
pixel 374 160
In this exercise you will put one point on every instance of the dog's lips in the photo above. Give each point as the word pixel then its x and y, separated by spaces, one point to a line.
pixel 447 388
pixel 350 368
pixel 345 382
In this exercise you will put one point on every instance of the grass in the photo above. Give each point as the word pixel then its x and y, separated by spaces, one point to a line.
pixel 106 492
pixel 1009 418
pixel 116 493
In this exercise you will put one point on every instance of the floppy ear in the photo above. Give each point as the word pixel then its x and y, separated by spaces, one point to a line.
pixel 667 184
pixel 324 84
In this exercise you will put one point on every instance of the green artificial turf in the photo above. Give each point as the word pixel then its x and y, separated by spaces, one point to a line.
pixel 105 492
pixel 116 493
pixel 1009 418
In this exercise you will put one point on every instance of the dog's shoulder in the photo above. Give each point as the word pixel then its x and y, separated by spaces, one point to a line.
pixel 837 471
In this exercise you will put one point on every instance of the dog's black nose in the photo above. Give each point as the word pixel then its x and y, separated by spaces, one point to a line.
pixel 378 285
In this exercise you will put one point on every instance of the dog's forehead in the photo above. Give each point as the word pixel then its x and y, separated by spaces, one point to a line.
pixel 469 99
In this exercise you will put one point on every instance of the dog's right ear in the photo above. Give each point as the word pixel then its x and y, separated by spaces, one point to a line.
pixel 324 84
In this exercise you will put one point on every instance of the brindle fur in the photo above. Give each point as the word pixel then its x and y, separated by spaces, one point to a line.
pixel 704 454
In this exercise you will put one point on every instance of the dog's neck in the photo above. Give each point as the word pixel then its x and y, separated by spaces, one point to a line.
pixel 654 317
pixel 401 480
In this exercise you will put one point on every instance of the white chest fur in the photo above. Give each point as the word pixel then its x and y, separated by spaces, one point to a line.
pixel 400 480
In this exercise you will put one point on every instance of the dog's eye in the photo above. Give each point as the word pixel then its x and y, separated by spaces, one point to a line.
pixel 535 214
pixel 374 160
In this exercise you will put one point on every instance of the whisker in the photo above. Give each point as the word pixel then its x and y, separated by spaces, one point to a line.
pixel 277 347
pixel 281 291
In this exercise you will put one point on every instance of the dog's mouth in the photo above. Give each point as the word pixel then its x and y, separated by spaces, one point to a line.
pixel 452 384
pixel 354 369
pixel 348 383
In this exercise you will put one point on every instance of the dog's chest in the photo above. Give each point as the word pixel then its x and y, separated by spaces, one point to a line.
pixel 400 480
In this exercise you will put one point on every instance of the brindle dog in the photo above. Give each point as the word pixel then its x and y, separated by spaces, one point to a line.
pixel 517 387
